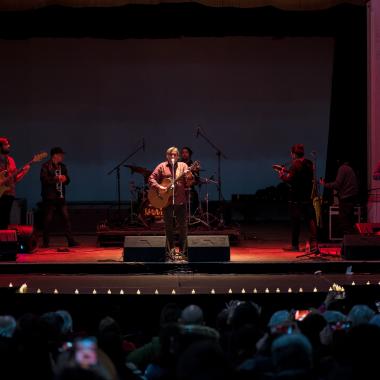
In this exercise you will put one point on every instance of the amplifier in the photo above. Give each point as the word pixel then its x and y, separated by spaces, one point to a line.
pixel 335 231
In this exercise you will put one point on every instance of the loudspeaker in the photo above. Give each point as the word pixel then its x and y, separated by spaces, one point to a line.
pixel 8 245
pixel 358 247
pixel 335 230
pixel 144 248
pixel 26 238
pixel 205 248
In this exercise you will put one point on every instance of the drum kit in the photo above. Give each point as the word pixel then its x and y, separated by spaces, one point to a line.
pixel 146 215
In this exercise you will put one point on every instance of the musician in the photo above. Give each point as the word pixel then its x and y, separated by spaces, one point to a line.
pixel 186 157
pixel 13 176
pixel 178 211
pixel 54 179
pixel 300 178
pixel 346 185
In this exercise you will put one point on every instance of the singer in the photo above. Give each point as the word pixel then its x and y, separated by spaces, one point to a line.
pixel 175 211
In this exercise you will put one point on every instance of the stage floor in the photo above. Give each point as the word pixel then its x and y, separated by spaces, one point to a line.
pixel 250 251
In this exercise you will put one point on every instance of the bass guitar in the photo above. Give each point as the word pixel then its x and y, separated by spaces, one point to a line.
pixel 6 177
pixel 161 198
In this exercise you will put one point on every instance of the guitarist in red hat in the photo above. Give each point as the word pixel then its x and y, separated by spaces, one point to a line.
pixel 7 163
pixel 175 209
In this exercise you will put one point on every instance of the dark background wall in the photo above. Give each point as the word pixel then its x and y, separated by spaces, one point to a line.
pixel 98 80
pixel 254 97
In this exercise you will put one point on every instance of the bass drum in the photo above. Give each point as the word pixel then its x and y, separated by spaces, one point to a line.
pixel 150 214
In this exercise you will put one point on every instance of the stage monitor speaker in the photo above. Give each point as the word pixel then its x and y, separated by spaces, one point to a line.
pixel 205 248
pixel 26 237
pixel 8 245
pixel 144 248
pixel 358 247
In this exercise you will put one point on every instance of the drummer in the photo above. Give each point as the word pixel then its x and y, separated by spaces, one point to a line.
pixel 186 157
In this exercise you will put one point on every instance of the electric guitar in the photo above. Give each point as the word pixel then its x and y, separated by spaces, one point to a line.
pixel 280 168
pixel 5 176
pixel 161 198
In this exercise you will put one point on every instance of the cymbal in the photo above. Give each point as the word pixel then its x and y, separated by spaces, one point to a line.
pixel 204 180
pixel 139 170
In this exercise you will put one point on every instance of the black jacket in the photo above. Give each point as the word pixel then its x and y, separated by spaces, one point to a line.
pixel 300 178
pixel 49 182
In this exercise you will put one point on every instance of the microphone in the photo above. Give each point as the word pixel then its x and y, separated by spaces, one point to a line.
pixel 143 144
pixel 173 161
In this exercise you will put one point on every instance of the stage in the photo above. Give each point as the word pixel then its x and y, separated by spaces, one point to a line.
pixel 91 281
pixel 258 265
pixel 247 251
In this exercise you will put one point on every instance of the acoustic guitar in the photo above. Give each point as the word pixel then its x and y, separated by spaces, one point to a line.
pixel 5 176
pixel 161 198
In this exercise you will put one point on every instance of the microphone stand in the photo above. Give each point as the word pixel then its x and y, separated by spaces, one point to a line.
pixel 173 187
pixel 220 154
pixel 116 169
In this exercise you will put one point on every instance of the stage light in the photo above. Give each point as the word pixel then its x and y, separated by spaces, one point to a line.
pixel 212 291
pixel 230 291
pixel 173 291
pixel 55 291
pixel 138 292
pixel 121 291
pixel 193 291
pixel 156 291
pixel 10 285
pixel 300 290
pixel 243 291
pixel 353 283
pixel 278 290
pixel 368 283
pixel 94 291
pixel 255 291
pixel 39 291
pixel 109 291
pixel 315 290
pixel 76 291
pixel 330 289
pixel 290 290
pixel 266 290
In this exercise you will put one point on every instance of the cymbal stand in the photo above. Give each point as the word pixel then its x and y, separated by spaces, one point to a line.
pixel 192 218
pixel 132 191
pixel 205 217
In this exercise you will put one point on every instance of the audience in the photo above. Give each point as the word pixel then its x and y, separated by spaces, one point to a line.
pixel 325 345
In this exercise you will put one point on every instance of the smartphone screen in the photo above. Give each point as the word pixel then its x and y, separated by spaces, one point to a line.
pixel 86 352
pixel 300 315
